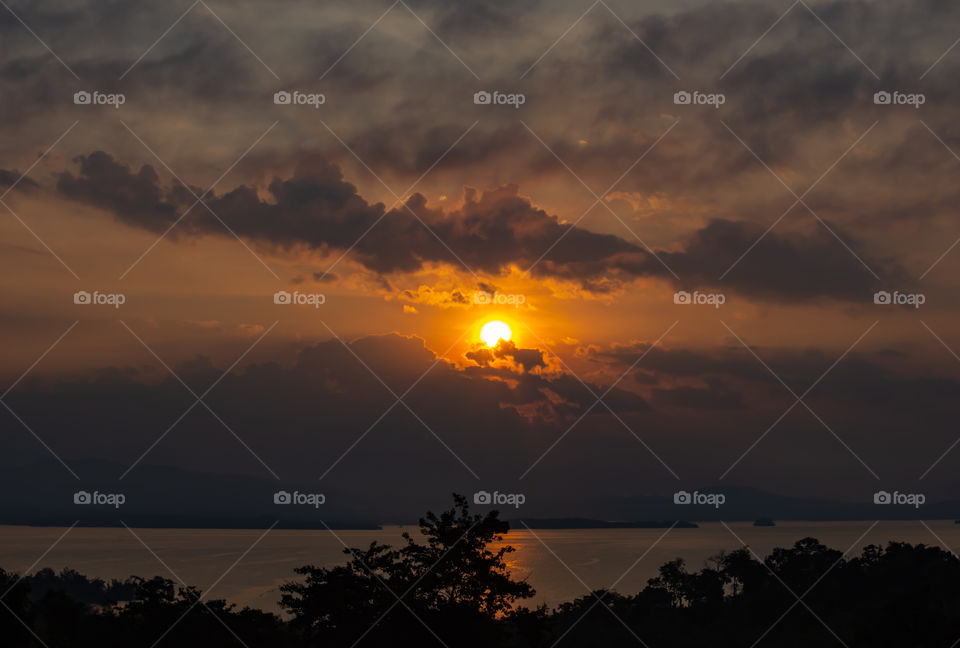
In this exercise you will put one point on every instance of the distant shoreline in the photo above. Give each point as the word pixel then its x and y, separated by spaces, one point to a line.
pixel 517 524
pixel 225 525
pixel 586 523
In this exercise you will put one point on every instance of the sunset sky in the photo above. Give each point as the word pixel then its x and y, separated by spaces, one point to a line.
pixel 402 201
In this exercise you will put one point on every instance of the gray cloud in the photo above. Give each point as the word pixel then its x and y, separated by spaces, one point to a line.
pixel 707 406
pixel 317 209
pixel 11 178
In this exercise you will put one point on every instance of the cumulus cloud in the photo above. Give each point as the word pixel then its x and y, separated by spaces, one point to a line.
pixel 525 359
pixel 492 232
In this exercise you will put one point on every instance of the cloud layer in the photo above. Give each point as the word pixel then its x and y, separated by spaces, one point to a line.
pixel 492 232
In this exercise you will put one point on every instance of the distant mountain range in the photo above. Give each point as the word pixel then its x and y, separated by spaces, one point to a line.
pixel 164 497
pixel 745 503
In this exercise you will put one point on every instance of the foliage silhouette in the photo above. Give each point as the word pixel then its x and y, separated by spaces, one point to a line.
pixel 454 589
pixel 453 585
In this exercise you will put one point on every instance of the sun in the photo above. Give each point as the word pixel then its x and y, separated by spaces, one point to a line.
pixel 493 332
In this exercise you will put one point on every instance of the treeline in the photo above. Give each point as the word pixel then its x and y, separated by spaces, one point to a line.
pixel 451 587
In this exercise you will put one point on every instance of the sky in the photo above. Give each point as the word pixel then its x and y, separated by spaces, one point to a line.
pixel 582 206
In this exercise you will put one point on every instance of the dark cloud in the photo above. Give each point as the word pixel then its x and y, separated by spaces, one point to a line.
pixel 798 98
pixel 132 197
pixel 527 359
pixel 12 179
pixel 876 383
pixel 493 230
pixel 302 417
pixel 477 18
pixel 716 396
pixel 782 266
pixel 319 405
pixel 598 99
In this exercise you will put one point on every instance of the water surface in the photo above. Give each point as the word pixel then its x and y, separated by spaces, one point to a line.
pixel 560 564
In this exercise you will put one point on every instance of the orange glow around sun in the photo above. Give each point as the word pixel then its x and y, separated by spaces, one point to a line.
pixel 494 331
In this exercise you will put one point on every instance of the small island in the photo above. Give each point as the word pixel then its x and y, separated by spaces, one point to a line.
pixel 764 522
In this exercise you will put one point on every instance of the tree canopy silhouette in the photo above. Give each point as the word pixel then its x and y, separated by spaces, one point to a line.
pixel 451 586
pixel 451 581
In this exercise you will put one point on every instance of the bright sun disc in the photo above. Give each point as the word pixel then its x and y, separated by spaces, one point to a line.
pixel 493 332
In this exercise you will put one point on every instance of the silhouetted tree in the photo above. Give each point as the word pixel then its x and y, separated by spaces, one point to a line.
pixel 450 583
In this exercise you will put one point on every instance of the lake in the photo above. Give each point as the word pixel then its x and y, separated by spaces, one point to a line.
pixel 597 557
